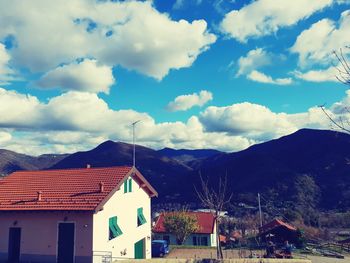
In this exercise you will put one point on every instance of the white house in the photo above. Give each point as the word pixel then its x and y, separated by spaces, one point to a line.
pixel 75 215
pixel 204 236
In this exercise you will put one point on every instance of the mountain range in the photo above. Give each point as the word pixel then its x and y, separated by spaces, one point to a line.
pixel 270 168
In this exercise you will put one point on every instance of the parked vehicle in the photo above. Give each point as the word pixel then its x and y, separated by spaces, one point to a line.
pixel 159 248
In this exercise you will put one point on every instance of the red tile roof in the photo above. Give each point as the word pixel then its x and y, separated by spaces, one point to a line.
pixel 69 189
pixel 274 224
pixel 205 221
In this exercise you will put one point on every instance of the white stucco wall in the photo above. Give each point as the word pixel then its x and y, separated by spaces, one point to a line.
pixel 124 206
pixel 39 234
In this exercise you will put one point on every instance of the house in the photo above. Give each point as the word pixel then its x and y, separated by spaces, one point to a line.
pixel 75 215
pixel 278 231
pixel 204 236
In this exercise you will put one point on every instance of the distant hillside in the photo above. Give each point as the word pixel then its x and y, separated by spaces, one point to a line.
pixel 11 161
pixel 188 156
pixel 275 165
pixel 164 173
pixel 272 168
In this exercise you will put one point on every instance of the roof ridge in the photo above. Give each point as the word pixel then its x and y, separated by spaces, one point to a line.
pixel 71 169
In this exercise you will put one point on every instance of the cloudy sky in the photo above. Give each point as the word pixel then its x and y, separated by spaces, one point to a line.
pixel 220 74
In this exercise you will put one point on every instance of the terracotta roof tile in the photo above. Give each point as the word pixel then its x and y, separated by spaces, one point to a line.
pixel 69 189
pixel 205 221
pixel 274 224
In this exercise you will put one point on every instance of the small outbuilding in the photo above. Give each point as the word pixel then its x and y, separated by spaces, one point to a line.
pixel 204 236
pixel 278 232
pixel 75 215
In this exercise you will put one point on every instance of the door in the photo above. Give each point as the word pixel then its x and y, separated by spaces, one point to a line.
pixel 14 244
pixel 140 249
pixel 65 246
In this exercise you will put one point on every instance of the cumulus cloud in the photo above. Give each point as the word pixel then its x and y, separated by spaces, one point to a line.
pixel 5 137
pixel 254 59
pixel 259 122
pixel 322 75
pixel 263 78
pixel 6 73
pixel 186 102
pixel 316 44
pixel 106 31
pixel 60 126
pixel 84 76
pixel 265 17
pixel 80 120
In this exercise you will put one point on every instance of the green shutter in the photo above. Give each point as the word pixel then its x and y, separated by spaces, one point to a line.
pixel 140 217
pixel 125 186
pixel 130 185
pixel 114 229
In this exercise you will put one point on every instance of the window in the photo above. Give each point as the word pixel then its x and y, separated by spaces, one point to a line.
pixel 128 185
pixel 140 217
pixel 194 241
pixel 200 241
pixel 204 241
pixel 114 229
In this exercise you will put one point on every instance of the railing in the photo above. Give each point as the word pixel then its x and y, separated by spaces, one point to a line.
pixel 106 257
pixel 102 257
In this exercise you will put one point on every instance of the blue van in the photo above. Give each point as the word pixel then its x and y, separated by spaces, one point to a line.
pixel 160 248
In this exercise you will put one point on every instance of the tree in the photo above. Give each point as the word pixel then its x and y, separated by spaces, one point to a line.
pixel 306 197
pixel 216 200
pixel 181 224
pixel 343 76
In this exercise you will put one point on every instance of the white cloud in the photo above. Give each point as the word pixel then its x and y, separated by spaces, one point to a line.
pixel 185 102
pixel 254 59
pixel 84 76
pixel 265 17
pixel 5 137
pixel 258 122
pixel 79 121
pixel 109 32
pixel 316 44
pixel 6 73
pixel 323 75
pixel 263 78
pixel 76 120
pixel 178 4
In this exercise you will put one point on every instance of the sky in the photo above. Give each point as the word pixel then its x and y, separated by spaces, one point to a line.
pixel 218 74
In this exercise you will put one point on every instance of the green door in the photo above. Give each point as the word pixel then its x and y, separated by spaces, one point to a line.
pixel 140 249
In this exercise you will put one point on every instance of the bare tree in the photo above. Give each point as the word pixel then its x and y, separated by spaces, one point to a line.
pixel 341 123
pixel 216 200
pixel 343 68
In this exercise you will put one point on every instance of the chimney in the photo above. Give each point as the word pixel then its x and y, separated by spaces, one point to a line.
pixel 102 187
pixel 39 196
pixel 88 166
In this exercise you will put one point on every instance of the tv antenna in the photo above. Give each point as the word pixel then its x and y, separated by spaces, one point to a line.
pixel 133 142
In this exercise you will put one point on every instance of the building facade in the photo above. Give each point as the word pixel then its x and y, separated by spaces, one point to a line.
pixel 204 236
pixel 75 215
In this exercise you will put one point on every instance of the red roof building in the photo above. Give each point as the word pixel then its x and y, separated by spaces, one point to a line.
pixel 278 231
pixel 204 236
pixel 69 189
pixel 76 210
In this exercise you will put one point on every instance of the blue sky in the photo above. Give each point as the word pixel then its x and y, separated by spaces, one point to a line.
pixel 220 74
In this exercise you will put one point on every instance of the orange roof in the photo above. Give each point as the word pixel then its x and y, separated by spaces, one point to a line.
pixel 276 223
pixel 205 221
pixel 68 189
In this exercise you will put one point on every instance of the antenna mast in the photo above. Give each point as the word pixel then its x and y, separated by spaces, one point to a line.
pixel 260 210
pixel 133 142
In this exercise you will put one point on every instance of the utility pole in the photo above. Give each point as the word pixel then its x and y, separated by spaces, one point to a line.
pixel 133 142
pixel 260 210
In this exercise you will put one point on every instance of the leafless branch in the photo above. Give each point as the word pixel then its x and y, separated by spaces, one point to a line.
pixel 338 123
pixel 215 200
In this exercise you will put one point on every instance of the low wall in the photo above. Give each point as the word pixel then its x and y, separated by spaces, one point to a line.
pixel 238 260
